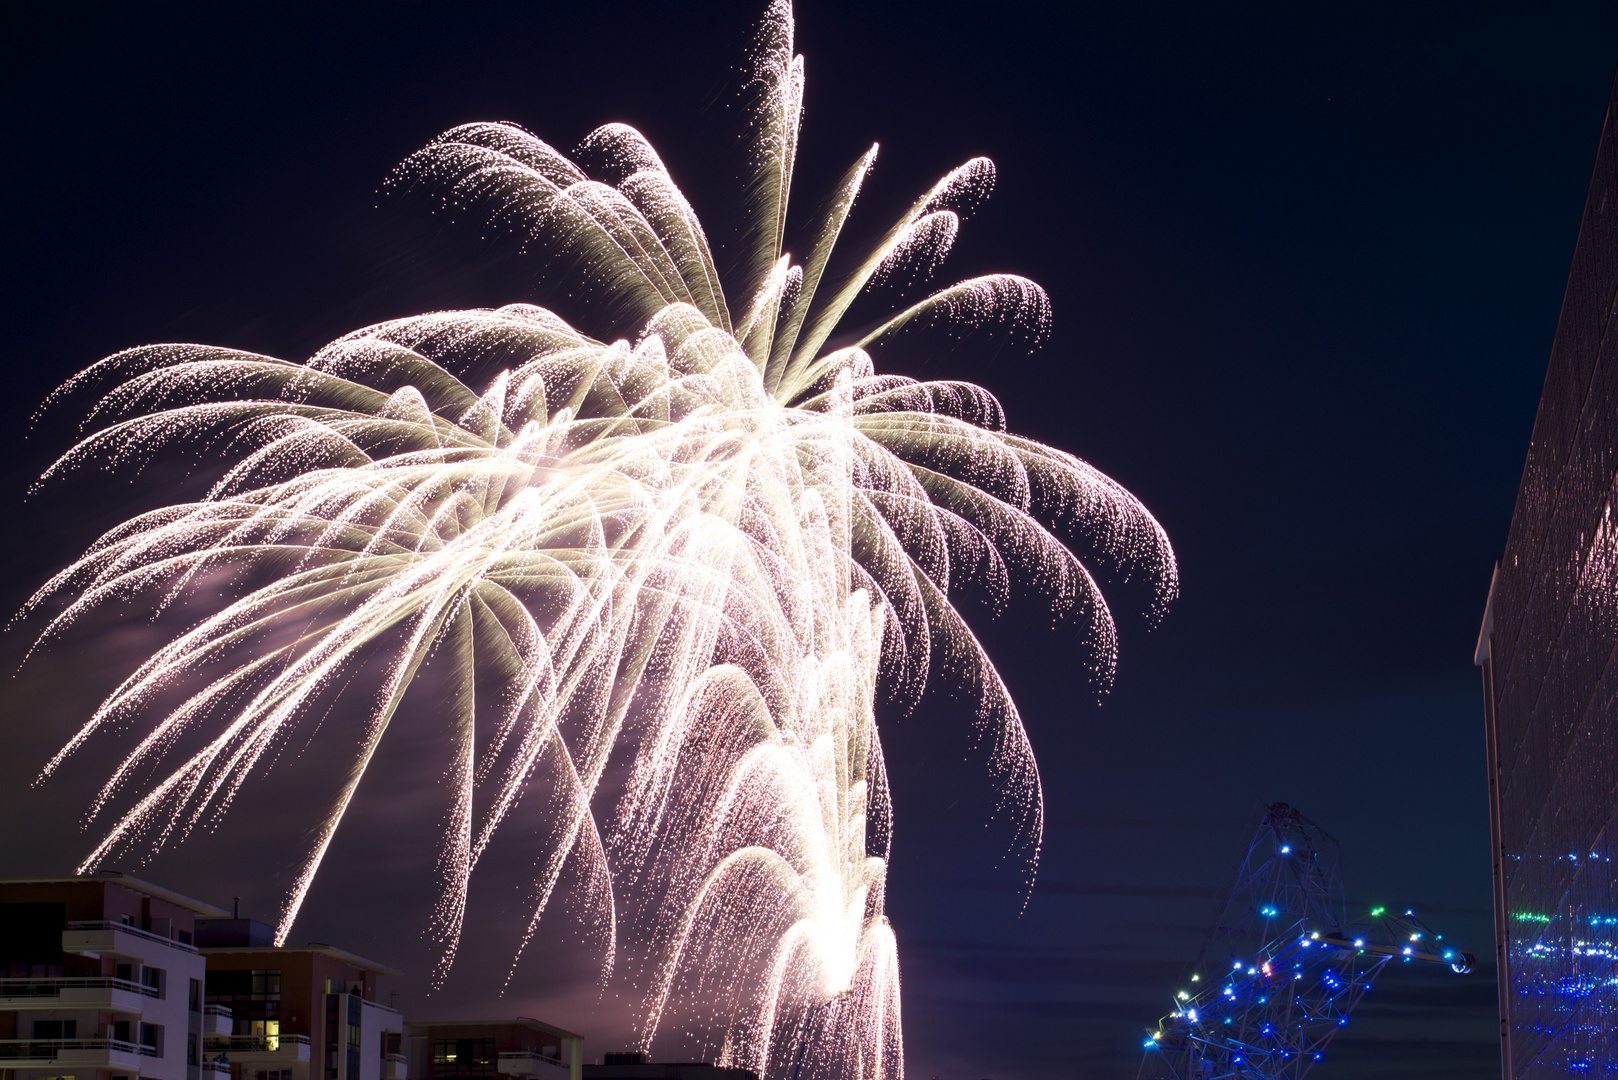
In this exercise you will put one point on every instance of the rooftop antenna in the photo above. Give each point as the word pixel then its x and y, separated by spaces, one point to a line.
pixel 235 907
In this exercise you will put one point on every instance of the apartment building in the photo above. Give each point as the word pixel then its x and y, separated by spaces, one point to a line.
pixel 297 1012
pixel 521 1049
pixel 100 979
pixel 637 1065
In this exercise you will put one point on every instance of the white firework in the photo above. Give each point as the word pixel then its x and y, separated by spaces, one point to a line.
pixel 693 558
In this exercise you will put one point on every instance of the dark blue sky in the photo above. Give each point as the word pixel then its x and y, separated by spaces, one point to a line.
pixel 1306 262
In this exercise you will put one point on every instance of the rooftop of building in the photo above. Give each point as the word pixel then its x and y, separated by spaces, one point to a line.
pixel 667 1070
pixel 520 1021
pixel 135 884
pixel 319 947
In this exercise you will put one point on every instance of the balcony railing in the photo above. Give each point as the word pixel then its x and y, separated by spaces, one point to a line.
pixel 520 1062
pixel 53 987
pixel 53 1048
pixel 217 1022
pixel 222 1068
pixel 105 924
pixel 252 1043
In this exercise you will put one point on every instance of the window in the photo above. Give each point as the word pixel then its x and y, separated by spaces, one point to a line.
pixel 464 1057
pixel 56 1029
pixel 254 1000
pixel 152 979
pixel 151 1036
pixel 18 970
pixel 191 1048
pixel 31 939
pixel 120 1030
pixel 196 995
pixel 343 1031
pixel 330 1064
pixel 355 1013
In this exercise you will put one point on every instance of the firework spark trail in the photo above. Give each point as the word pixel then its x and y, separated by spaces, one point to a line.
pixel 697 555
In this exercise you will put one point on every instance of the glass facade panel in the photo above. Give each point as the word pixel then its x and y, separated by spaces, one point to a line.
pixel 1551 687
pixel 254 1001
pixel 464 1057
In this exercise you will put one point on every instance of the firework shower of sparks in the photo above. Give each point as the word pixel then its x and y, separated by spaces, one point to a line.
pixel 694 557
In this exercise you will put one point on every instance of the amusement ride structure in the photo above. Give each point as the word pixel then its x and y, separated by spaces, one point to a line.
pixel 1284 965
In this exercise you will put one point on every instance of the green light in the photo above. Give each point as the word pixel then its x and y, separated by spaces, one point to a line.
pixel 1529 916
pixel 1377 911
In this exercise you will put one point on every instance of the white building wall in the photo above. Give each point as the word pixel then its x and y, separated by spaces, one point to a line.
pixel 171 1009
pixel 375 1022
pixel 97 1010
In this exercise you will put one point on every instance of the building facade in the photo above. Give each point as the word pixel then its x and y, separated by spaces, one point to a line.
pixel 520 1049
pixel 1550 671
pixel 100 979
pixel 295 1013
pixel 637 1065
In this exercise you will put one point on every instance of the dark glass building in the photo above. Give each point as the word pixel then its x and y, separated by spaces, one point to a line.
pixel 1550 673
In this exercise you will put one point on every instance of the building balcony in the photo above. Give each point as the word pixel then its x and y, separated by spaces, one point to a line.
pixel 101 938
pixel 112 1054
pixel 216 1020
pixel 531 1063
pixel 261 1051
pixel 394 1067
pixel 96 992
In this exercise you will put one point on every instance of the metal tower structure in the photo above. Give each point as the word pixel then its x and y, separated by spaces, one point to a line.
pixel 1284 964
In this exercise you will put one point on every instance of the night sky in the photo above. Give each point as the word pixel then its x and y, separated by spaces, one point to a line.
pixel 1306 261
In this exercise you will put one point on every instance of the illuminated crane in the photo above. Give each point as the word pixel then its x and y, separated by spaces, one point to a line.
pixel 1284 965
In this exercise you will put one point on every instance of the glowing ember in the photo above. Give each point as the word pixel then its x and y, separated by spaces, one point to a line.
pixel 693 557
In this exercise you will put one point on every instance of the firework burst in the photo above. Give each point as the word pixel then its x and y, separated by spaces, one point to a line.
pixel 694 557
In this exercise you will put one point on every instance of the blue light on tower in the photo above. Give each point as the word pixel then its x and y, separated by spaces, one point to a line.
pixel 1255 1022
